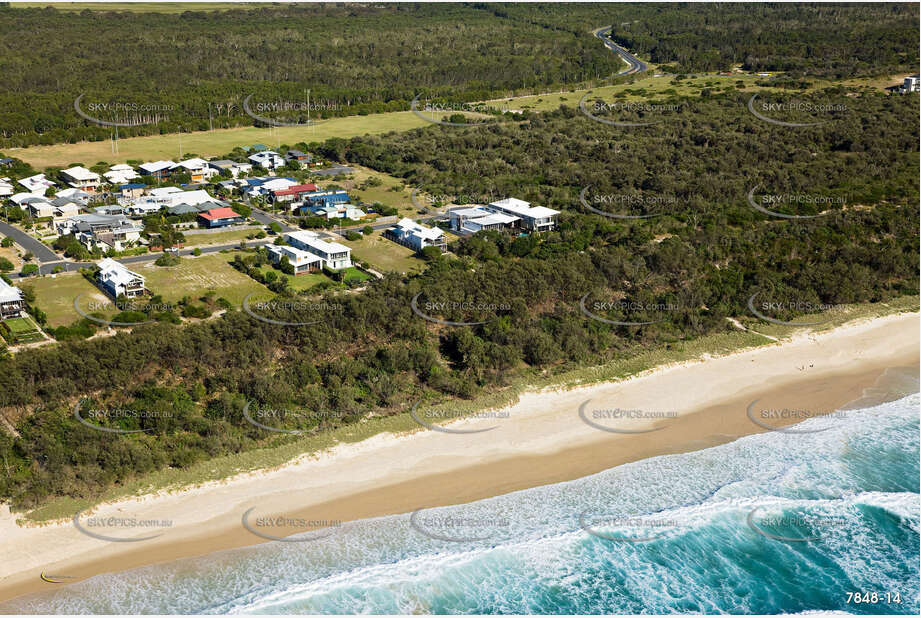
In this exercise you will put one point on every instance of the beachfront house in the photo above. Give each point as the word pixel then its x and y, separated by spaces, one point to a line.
pixel 120 174
pixel 115 232
pixel 302 261
pixel 219 217
pixel 131 191
pixel 267 159
pixel 79 177
pixel 533 218
pixel 117 280
pixel 292 193
pixel 336 256
pixel 232 167
pixel 6 187
pixel 476 219
pixel 417 236
pixel 298 157
pixel 12 303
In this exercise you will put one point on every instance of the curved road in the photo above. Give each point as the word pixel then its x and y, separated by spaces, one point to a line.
pixel 636 65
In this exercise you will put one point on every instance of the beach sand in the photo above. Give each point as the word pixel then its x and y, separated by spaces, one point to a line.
pixel 539 440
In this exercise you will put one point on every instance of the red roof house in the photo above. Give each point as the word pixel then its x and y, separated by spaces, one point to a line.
pixel 219 217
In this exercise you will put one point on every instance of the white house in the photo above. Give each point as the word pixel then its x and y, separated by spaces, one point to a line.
pixel 233 167
pixel 11 301
pixel 165 197
pixel 302 261
pixel 533 218
pixel 6 187
pixel 417 236
pixel 117 280
pixel 76 195
pixel 911 84
pixel 267 159
pixel 64 208
pixel 335 255
pixel 121 174
pixel 477 219
pixel 197 169
pixel 81 178
pixel 38 207
pixel 37 184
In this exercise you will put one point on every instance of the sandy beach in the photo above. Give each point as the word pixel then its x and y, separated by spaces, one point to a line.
pixel 547 437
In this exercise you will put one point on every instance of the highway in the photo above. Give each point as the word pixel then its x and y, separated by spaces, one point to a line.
pixel 636 65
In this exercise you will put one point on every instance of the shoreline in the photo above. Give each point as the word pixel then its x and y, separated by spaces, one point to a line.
pixel 541 441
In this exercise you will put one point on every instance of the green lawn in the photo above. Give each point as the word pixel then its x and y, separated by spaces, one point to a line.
pixel 23 330
pixel 214 143
pixel 353 274
pixel 384 255
pixel 55 294
pixel 195 276
pixel 300 282
pixel 218 238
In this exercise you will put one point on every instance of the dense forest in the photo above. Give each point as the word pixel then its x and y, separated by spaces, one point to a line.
pixel 688 269
pixel 192 71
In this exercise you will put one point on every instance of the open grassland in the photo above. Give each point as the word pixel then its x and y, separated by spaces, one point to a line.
pixel 55 294
pixel 384 255
pixel 138 7
pixel 212 143
pixel 286 449
pixel 218 238
pixel 391 192
pixel 651 87
pixel 196 276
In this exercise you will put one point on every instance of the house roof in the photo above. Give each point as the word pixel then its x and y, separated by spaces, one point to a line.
pixel 521 207
pixel 9 293
pixel 493 219
pixel 116 272
pixel 156 166
pixel 295 256
pixel 133 185
pixel 295 189
pixel 417 229
pixel 183 209
pixel 191 164
pixel 219 213
pixel 81 173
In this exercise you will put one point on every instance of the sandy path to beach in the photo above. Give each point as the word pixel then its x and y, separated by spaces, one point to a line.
pixel 539 440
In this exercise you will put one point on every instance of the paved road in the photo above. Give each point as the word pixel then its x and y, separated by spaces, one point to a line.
pixel 40 250
pixel 267 219
pixel 636 65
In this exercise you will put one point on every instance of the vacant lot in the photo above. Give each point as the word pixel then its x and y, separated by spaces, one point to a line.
pixel 300 282
pixel 391 192
pixel 55 294
pixel 384 255
pixel 196 276
pixel 217 238
pixel 212 143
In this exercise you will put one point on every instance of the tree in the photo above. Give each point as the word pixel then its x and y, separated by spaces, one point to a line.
pixel 29 269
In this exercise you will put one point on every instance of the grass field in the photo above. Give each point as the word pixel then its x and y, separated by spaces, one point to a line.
pixel 23 330
pixel 139 7
pixel 300 282
pixel 195 276
pixel 645 88
pixel 212 143
pixel 55 294
pixel 217 238
pixel 401 200
pixel 384 255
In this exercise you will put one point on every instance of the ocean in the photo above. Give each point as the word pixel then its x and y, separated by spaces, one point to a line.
pixel 768 524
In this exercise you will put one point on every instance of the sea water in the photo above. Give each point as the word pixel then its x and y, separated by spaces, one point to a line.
pixel 770 523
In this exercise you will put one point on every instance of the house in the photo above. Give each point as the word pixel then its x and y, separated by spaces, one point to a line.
pixel 118 281
pixel 109 210
pixel 533 218
pixel 219 217
pixel 37 184
pixel 38 207
pixel 160 170
pixel 233 167
pixel 20 198
pixel 298 157
pixel 121 174
pixel 264 185
pixel 477 218
pixel 103 231
pixel 340 211
pixel 267 159
pixel 326 198
pixel 131 191
pixel 911 84
pixel 302 261
pixel 80 197
pixel 417 236
pixel 198 169
pixel 81 178
pixel 11 301
pixel 6 187
pixel 292 193
pixel 335 255
pixel 7 162
pixel 64 208
pixel 166 197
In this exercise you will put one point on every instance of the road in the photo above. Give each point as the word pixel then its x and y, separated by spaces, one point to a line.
pixel 636 65
pixel 40 250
